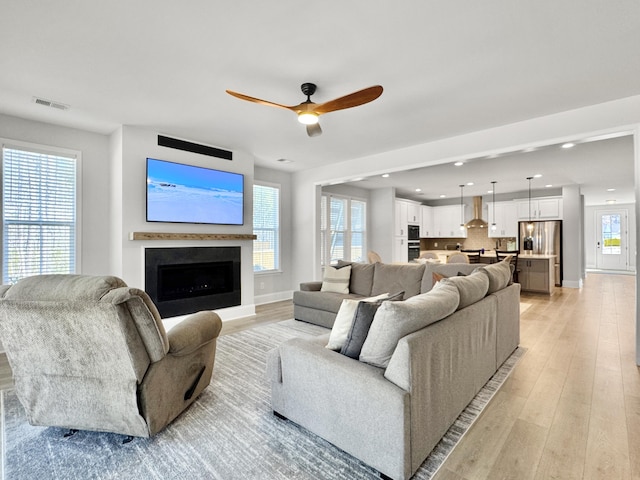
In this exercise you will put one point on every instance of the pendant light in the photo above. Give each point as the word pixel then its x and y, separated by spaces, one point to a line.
pixel 530 224
pixel 461 209
pixel 494 227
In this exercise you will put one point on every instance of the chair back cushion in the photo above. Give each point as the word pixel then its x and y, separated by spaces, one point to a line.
pixel 80 325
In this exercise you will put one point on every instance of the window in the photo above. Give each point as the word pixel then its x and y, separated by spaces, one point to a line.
pixel 343 223
pixel 38 212
pixel 611 234
pixel 266 226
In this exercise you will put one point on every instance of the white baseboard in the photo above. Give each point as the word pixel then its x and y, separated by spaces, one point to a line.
pixel 273 297
pixel 225 315
pixel 572 284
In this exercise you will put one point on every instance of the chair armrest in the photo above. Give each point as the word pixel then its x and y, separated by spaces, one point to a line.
pixel 311 286
pixel 193 332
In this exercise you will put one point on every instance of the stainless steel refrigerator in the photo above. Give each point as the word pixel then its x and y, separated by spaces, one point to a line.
pixel 544 239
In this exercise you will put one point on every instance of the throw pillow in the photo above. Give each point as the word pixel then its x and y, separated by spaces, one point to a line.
pixel 394 320
pixel 336 279
pixel 472 288
pixel 437 277
pixel 362 320
pixel 499 274
pixel 344 320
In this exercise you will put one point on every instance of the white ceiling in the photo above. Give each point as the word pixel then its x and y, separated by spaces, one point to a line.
pixel 448 68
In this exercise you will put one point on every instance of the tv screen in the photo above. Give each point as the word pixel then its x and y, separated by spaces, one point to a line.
pixel 188 194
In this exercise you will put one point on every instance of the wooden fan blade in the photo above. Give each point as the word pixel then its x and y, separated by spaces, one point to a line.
pixel 257 100
pixel 314 130
pixel 355 99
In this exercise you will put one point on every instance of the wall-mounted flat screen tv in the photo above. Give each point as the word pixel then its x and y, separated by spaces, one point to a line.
pixel 181 193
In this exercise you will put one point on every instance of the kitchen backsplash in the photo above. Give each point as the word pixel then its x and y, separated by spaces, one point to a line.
pixel 476 239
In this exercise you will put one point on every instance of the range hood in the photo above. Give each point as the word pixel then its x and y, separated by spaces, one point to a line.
pixel 477 221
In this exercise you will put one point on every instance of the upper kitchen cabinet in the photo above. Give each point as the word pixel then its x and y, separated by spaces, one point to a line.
pixel 426 221
pixel 402 208
pixel 506 219
pixel 548 208
pixel 413 213
pixel 407 213
pixel 446 222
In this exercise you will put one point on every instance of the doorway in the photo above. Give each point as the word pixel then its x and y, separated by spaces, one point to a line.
pixel 612 239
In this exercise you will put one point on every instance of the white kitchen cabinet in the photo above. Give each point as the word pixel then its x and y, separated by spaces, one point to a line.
pixel 401 212
pixel 413 213
pixel 446 222
pixel 506 219
pixel 426 221
pixel 541 209
pixel 400 250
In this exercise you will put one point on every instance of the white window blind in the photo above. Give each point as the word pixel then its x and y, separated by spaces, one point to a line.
pixel 38 213
pixel 266 226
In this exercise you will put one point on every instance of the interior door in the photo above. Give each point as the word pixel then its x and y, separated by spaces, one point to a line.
pixel 611 241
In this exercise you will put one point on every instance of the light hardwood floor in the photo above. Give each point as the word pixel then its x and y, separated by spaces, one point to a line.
pixel 571 407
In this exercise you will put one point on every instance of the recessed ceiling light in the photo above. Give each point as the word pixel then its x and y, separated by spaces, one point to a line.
pixel 568 145
pixel 530 149
pixel 469 184
pixel 357 179
pixel 537 175
pixel 611 189
pixel 385 175
pixel 489 191
pixel 418 189
pixel 459 164
pixel 443 196
pixel 548 185
pixel 610 202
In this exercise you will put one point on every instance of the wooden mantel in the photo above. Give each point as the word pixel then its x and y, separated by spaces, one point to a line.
pixel 190 236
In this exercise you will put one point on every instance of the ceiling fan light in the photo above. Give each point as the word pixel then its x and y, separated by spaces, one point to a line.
pixel 308 118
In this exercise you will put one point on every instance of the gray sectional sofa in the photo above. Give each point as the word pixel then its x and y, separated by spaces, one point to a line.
pixel 423 361
pixel 312 305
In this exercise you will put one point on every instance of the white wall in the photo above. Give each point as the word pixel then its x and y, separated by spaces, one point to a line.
pixel 128 195
pixel 276 286
pixel 95 183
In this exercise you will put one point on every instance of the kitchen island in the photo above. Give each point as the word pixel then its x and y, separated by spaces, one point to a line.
pixel 536 273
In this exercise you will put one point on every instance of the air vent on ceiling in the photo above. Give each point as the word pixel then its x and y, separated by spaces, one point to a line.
pixel 50 103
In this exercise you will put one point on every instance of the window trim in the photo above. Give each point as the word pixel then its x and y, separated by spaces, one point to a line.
pixel 49 149
pixel 279 236
pixel 348 230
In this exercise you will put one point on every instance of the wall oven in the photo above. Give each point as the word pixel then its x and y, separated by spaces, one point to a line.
pixel 414 249
pixel 413 233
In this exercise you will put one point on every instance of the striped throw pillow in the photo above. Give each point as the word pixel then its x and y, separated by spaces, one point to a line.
pixel 336 279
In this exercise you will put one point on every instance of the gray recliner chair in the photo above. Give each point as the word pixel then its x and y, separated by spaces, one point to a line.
pixel 90 353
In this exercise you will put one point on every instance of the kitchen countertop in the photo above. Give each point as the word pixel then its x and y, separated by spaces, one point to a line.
pixel 492 254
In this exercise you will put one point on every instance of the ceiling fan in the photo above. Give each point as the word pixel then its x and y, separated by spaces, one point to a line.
pixel 308 111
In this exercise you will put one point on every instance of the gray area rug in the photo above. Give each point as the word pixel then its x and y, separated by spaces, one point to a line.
pixel 229 433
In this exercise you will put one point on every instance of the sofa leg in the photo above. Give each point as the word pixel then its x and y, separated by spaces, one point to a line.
pixel 279 415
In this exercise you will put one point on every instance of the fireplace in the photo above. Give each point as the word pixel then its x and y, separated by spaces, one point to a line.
pixel 186 280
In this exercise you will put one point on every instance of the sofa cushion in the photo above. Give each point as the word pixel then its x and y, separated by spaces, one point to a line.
pixel 394 320
pixel 327 301
pixel 446 270
pixel 344 320
pixel 336 280
pixel 472 288
pixel 362 320
pixel 396 278
pixel 361 277
pixel 499 274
